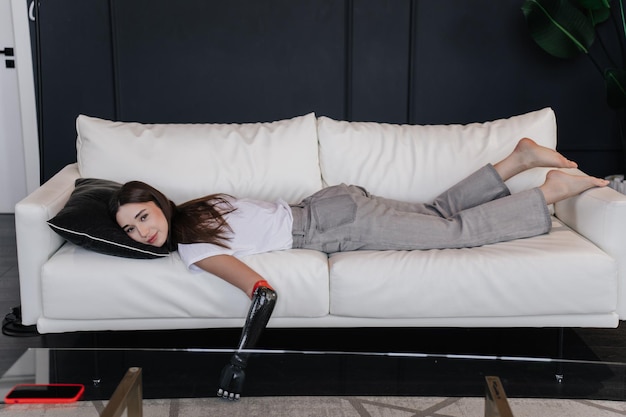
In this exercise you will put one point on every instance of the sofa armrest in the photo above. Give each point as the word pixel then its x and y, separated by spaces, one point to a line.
pixel 36 241
pixel 599 215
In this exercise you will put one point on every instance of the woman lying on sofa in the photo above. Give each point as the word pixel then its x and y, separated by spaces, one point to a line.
pixel 211 233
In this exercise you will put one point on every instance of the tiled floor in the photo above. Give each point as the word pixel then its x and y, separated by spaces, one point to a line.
pixel 10 348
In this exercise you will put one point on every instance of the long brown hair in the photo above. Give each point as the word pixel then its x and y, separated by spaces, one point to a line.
pixel 196 221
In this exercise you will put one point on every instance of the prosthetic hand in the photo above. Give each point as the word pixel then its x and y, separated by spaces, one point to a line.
pixel 233 375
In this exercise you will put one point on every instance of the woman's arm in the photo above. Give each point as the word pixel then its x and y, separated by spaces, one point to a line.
pixel 237 273
pixel 231 270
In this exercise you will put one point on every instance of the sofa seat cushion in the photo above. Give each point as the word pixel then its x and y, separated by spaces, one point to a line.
pixel 80 284
pixel 558 273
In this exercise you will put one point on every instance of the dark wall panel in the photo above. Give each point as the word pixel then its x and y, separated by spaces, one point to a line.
pixel 380 54
pixel 478 62
pixel 398 61
pixel 76 74
pixel 230 61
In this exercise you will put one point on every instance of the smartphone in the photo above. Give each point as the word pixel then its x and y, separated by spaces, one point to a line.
pixel 44 393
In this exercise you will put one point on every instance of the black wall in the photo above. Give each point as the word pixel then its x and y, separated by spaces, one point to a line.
pixel 398 61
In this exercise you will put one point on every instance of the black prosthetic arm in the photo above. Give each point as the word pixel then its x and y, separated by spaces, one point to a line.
pixel 233 375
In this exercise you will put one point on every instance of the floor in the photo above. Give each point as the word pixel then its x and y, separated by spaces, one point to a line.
pixel 588 344
pixel 10 348
pixel 332 406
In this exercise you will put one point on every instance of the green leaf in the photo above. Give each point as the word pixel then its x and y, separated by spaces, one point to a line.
pixel 593 4
pixel 598 10
pixel 559 27
pixel 599 16
pixel 615 87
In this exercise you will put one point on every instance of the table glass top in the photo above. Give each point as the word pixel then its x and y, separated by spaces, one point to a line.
pixel 189 373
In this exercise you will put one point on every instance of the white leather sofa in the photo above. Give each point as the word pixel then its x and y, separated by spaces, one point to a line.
pixel 575 276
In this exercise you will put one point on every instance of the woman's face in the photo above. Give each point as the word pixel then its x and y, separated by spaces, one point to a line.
pixel 143 222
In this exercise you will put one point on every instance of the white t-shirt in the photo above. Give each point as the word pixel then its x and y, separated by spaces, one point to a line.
pixel 258 227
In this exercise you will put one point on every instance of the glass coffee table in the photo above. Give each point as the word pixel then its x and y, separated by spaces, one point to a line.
pixel 193 373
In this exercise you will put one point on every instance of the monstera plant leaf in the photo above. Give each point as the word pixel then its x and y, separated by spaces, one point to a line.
pixel 598 10
pixel 559 27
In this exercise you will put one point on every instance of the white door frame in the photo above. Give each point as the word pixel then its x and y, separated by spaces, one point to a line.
pixel 26 85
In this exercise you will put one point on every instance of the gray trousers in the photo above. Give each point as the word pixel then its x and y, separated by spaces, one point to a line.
pixel 477 211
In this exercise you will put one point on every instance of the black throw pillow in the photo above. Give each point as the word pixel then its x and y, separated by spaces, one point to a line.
pixel 85 221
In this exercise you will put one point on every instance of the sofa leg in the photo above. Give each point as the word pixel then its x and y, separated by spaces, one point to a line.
pixel 12 325
pixel 559 367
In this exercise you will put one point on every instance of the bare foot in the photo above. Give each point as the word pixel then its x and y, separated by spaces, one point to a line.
pixel 528 154
pixel 560 185
pixel 533 155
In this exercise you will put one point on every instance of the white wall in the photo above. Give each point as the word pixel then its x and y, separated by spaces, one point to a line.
pixel 19 149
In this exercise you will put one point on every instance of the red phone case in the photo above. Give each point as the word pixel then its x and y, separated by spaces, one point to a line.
pixel 38 393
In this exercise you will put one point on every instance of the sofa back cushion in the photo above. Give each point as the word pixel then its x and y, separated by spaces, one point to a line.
pixel 416 163
pixel 185 161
